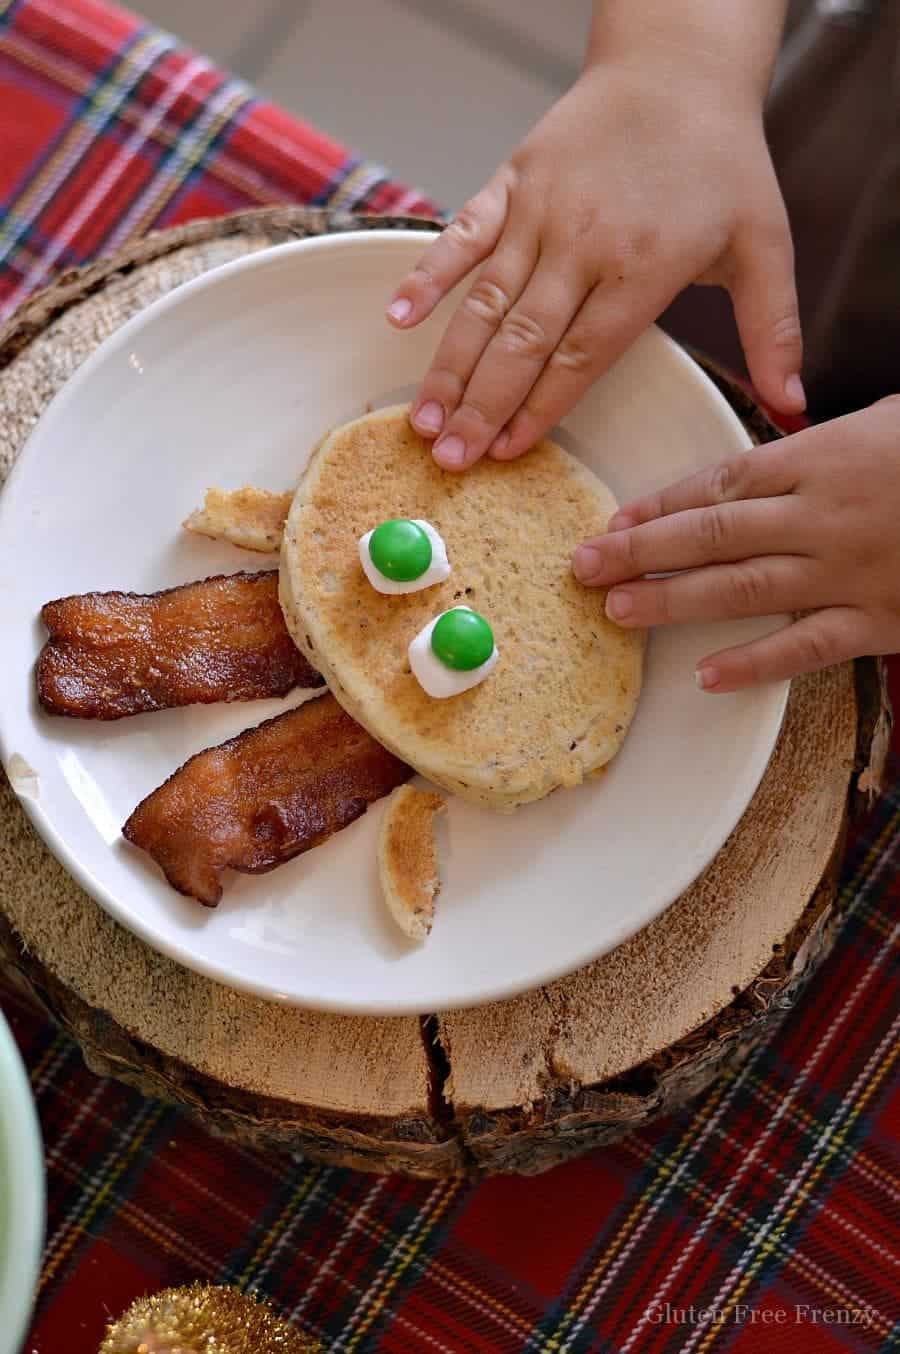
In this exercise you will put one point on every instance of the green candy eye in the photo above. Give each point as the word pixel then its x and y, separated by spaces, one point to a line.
pixel 400 550
pixel 462 640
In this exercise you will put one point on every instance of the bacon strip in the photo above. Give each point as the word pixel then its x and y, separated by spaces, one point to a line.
pixel 262 798
pixel 112 654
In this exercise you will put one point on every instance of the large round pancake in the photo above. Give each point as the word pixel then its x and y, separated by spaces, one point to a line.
pixel 560 701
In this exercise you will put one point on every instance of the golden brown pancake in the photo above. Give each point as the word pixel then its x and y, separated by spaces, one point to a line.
pixel 560 701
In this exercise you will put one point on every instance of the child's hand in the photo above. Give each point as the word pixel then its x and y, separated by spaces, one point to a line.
pixel 644 178
pixel 811 523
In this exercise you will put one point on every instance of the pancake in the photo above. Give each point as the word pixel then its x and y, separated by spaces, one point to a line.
pixel 251 519
pixel 559 703
pixel 407 859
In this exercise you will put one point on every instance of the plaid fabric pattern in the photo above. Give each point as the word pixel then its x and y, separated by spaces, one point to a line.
pixel 111 128
pixel 765 1219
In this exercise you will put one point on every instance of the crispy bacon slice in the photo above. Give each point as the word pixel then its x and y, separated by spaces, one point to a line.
pixel 262 798
pixel 112 654
pixel 252 519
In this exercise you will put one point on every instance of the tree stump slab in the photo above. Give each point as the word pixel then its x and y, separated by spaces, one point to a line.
pixel 514 1086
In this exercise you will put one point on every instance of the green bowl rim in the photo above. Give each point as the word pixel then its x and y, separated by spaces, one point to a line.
pixel 22 1164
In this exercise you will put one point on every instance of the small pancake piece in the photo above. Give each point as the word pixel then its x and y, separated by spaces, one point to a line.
pixel 252 519
pixel 407 860
pixel 561 699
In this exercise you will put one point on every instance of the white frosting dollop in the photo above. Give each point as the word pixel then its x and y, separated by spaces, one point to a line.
pixel 437 571
pixel 434 677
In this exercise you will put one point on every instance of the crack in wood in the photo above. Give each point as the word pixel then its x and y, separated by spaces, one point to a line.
pixel 440 1103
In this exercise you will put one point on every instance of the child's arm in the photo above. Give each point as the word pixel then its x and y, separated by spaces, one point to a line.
pixel 808 524
pixel 733 40
pixel 650 174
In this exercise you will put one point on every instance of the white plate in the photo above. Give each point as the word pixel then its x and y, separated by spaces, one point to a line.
pixel 230 380
pixel 21 1195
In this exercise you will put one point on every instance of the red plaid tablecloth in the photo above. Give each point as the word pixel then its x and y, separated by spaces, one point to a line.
pixel 774 1201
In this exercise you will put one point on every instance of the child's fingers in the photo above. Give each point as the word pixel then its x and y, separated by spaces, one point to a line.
pixel 507 366
pixel 691 539
pixel 764 472
pixel 494 293
pixel 469 238
pixel 721 592
pixel 609 321
pixel 767 312
pixel 818 641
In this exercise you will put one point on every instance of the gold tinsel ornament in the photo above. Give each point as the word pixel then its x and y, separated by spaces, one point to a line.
pixel 204 1319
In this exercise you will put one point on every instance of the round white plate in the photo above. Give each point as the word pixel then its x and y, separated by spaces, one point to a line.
pixel 21 1195
pixel 230 380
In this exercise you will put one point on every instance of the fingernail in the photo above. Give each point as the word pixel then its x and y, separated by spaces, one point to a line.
pixel 501 442
pixel 620 521
pixel 793 389
pixel 586 563
pixel 619 605
pixel 451 452
pixel 707 678
pixel 400 309
pixel 430 418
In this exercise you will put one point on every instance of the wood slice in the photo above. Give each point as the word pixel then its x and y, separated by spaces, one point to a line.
pixel 518 1085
